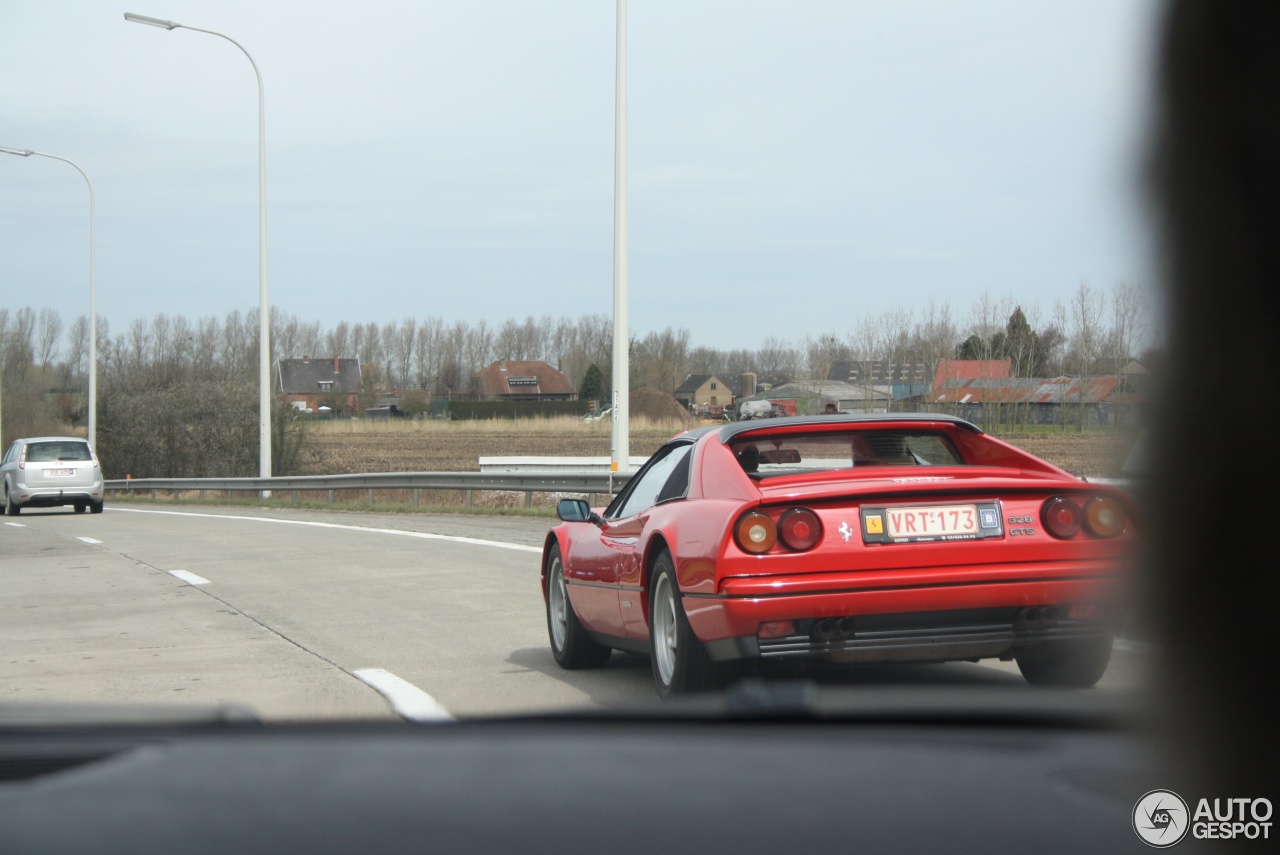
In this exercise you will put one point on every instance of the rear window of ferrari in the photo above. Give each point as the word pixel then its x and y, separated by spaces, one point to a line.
pixel 38 452
pixel 768 456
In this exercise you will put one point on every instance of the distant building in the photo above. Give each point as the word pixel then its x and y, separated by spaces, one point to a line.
pixel 703 390
pixel 312 384
pixel 508 380
pixel 971 369
pixel 1097 400
pixel 903 380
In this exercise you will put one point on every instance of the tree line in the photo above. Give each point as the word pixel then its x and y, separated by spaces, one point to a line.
pixel 190 374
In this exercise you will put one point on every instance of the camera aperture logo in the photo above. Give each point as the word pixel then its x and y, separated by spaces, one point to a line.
pixel 1160 818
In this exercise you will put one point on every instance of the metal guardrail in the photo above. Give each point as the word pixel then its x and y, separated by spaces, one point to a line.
pixel 602 483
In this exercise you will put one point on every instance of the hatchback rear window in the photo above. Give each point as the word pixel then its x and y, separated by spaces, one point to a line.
pixel 792 454
pixel 48 451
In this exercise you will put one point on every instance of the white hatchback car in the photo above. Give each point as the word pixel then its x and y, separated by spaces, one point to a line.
pixel 47 471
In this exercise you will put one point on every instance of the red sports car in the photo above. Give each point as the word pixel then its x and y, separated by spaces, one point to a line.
pixel 847 539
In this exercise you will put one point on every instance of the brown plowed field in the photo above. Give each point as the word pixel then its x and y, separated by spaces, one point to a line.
pixel 454 448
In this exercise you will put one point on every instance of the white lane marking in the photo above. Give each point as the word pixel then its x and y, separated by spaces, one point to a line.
pixel 406 699
pixel 189 578
pixel 88 540
pixel 17 525
pixel 497 544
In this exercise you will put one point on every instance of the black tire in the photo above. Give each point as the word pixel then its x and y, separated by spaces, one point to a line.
pixel 11 507
pixel 680 663
pixel 95 507
pixel 571 645
pixel 81 507
pixel 1067 664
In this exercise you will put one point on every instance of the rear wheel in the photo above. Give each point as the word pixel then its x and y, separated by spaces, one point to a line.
pixel 95 507
pixel 11 507
pixel 680 662
pixel 571 644
pixel 81 507
pixel 1070 664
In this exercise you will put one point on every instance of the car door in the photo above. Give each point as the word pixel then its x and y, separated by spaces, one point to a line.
pixel 665 478
pixel 600 560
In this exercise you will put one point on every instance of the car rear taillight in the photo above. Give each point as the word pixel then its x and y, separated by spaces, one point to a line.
pixel 800 529
pixel 797 529
pixel 22 458
pixel 1100 516
pixel 756 533
pixel 1062 517
pixel 1104 517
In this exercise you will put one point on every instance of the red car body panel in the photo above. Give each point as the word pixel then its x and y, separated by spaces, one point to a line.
pixel 728 593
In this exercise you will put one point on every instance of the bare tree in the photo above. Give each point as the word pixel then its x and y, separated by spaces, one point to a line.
pixel 477 350
pixel 820 354
pixel 1085 338
pixel 77 349
pixel 426 362
pixel 338 341
pixel 204 347
pixel 520 341
pixel 406 339
pixel 49 333
pixel 935 336
pixel 777 360
pixel 19 344
pixel 660 359
pixel 986 329
pixel 285 330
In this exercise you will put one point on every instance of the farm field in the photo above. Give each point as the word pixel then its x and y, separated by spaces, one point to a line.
pixel 359 446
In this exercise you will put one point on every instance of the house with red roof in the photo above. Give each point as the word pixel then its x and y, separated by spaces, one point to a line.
pixel 508 380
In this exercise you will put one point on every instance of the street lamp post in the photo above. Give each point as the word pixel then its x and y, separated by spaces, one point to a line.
pixel 93 291
pixel 264 308
pixel 621 433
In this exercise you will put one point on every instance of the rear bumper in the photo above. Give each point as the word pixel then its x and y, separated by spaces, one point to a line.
pixel 50 497
pixel 974 617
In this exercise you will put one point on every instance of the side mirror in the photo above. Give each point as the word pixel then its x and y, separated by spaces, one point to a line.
pixel 576 510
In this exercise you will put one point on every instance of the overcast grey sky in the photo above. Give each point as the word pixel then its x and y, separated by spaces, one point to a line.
pixel 794 166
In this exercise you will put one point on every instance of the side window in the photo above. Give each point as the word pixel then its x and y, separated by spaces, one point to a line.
pixel 678 483
pixel 662 478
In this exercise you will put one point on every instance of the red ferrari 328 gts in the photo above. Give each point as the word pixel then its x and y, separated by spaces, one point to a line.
pixel 846 539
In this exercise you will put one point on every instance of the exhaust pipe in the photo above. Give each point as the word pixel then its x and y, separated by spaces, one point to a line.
pixel 825 630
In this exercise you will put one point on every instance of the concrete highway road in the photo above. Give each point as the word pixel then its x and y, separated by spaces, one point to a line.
pixel 307 614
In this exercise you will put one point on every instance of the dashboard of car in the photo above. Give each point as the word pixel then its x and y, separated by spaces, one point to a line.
pixel 780 768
